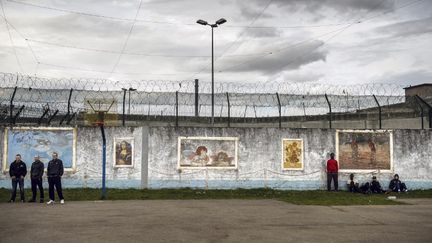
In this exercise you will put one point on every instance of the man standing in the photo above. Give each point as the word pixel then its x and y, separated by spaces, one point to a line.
pixel 54 173
pixel 36 173
pixel 332 172
pixel 17 172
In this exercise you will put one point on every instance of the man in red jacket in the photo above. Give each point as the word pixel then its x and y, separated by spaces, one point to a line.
pixel 332 172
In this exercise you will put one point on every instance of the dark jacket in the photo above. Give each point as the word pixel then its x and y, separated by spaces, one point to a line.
pixel 376 187
pixel 37 170
pixel 55 168
pixel 397 185
pixel 17 169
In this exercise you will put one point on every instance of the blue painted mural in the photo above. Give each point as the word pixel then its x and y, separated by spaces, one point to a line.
pixel 42 142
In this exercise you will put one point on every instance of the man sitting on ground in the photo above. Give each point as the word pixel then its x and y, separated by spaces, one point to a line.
pixel 396 185
pixel 375 186
pixel 353 185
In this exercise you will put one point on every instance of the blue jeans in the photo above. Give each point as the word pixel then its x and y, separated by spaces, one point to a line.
pixel 14 188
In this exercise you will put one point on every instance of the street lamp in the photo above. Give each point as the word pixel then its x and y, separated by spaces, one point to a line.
pixel 216 24
pixel 130 89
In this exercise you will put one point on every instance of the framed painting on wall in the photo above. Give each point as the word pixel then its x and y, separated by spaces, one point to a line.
pixel 292 154
pixel 41 141
pixel 364 150
pixel 123 152
pixel 207 152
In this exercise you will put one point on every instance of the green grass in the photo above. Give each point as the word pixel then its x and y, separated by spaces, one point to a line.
pixel 317 197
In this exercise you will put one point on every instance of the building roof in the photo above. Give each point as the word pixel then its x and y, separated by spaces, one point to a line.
pixel 419 85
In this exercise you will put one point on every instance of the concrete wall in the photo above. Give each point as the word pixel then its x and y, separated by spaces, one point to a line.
pixel 89 160
pixel 259 159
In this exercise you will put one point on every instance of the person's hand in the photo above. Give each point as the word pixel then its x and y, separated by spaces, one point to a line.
pixel 13 177
pixel 22 177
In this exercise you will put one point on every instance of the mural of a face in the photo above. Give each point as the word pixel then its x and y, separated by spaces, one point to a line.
pixel 123 153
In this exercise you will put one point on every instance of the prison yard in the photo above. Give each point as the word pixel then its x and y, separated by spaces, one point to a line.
pixel 191 215
pixel 310 197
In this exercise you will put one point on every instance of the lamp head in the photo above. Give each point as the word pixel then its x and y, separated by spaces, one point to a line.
pixel 221 21
pixel 202 22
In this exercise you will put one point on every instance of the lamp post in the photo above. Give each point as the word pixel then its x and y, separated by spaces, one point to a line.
pixel 216 24
pixel 130 89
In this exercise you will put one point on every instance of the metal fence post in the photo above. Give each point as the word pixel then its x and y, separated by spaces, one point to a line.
pixel 103 196
pixel 280 110
pixel 12 105
pixel 68 107
pixel 229 109
pixel 17 114
pixel 43 115
pixel 330 111
pixel 52 117
pixel 70 118
pixel 124 106
pixel 421 111
pixel 176 109
pixel 196 97
pixel 379 111
pixel 430 109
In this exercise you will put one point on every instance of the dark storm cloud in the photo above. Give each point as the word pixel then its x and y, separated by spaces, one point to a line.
pixel 290 59
pixel 407 28
pixel 317 8
pixel 338 5
pixel 262 32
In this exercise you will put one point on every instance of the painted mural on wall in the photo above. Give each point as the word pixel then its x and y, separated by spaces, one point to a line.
pixel 292 151
pixel 29 142
pixel 123 152
pixel 207 152
pixel 364 150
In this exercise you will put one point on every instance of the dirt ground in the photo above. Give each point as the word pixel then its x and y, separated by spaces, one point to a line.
pixel 214 221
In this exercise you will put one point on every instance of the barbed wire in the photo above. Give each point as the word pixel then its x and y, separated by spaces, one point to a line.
pixel 163 98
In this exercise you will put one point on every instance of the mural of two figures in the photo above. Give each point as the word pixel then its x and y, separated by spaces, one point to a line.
pixel 364 150
pixel 207 152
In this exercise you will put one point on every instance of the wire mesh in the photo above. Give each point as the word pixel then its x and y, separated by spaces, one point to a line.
pixel 158 98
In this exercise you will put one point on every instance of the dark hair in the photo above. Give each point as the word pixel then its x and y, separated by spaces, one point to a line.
pixel 373 177
pixel 18 155
pixel 396 175
pixel 332 155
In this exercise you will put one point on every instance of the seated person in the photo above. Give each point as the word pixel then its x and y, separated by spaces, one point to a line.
pixel 365 188
pixel 375 186
pixel 396 185
pixel 353 185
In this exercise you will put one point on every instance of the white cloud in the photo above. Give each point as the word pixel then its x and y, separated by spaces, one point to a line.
pixel 394 44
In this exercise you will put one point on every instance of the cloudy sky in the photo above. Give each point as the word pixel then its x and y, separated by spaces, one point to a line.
pixel 323 41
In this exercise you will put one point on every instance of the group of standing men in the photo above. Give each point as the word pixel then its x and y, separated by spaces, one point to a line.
pixel 18 171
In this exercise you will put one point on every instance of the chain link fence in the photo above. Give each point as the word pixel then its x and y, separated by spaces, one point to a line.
pixel 36 100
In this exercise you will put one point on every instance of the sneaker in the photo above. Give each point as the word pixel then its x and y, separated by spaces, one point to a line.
pixel 11 201
pixel 41 200
pixel 23 201
pixel 50 202
pixel 62 201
